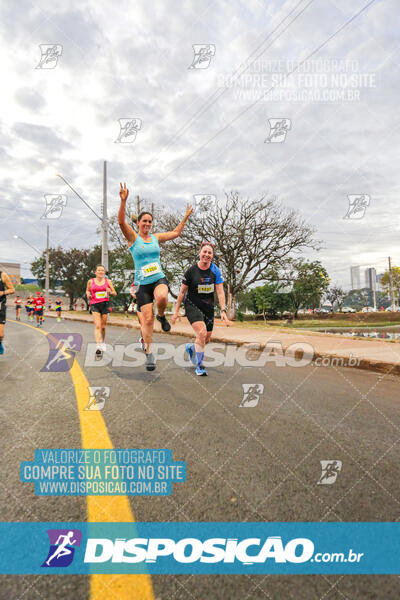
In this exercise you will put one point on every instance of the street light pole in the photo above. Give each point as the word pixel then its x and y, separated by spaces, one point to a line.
pixel 33 247
pixel 47 282
pixel 391 284
pixel 47 273
pixel 102 218
pixel 104 222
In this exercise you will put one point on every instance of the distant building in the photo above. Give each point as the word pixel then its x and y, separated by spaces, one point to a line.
pixel 379 282
pixel 13 270
pixel 355 278
pixel 370 278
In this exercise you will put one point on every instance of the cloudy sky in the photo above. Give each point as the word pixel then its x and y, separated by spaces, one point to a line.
pixel 203 131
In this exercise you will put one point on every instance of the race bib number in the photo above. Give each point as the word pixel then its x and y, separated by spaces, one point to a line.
pixel 151 269
pixel 205 288
pixel 102 294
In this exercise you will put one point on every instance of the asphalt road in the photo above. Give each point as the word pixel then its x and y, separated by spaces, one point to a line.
pixel 243 464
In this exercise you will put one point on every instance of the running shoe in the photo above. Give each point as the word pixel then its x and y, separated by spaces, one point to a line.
pixel 150 362
pixel 164 323
pixel 192 355
pixel 201 371
pixel 141 342
pixel 103 347
pixel 1 348
pixel 99 353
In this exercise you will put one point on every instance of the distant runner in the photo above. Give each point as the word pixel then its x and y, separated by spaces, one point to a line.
pixel 18 306
pixel 149 277
pixel 199 284
pixel 6 288
pixel 39 303
pixel 30 307
pixel 98 292
pixel 58 304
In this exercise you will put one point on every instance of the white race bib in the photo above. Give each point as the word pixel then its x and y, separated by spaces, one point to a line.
pixel 102 294
pixel 205 288
pixel 151 269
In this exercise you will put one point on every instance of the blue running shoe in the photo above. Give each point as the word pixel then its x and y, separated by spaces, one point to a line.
pixel 192 355
pixel 201 371
pixel 1 348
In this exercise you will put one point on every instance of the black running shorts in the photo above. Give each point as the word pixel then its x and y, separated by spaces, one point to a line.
pixel 100 307
pixel 145 293
pixel 2 313
pixel 193 313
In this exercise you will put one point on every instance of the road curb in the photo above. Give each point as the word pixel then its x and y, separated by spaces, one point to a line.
pixel 364 364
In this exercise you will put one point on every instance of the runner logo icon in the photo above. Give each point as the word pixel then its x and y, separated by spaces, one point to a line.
pixel 62 547
pixel 278 129
pixel 128 129
pixel 358 204
pixel 98 396
pixel 63 347
pixel 251 394
pixel 330 471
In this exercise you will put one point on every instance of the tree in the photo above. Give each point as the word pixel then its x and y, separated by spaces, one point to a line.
pixel 252 237
pixel 269 299
pixel 70 269
pixel 309 280
pixel 336 294
pixel 385 282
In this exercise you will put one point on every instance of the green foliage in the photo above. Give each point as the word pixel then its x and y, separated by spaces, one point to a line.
pixel 239 315
pixel 26 287
pixel 385 282
pixel 310 281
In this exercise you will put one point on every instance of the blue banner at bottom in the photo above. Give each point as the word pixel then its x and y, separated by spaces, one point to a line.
pixel 200 548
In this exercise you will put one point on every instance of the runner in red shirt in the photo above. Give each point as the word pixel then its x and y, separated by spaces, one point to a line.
pixel 39 303
pixel 18 306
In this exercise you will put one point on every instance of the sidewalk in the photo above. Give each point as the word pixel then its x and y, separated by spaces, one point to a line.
pixel 374 355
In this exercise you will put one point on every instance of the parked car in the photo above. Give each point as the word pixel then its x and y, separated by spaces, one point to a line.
pixel 389 309
pixel 368 309
pixel 348 309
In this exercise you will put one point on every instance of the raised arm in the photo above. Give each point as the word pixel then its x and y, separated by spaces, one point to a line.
pixel 126 229
pixel 171 235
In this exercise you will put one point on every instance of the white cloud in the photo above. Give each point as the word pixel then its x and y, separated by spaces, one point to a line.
pixel 131 60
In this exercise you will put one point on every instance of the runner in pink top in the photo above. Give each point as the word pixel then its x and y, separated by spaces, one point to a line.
pixel 98 292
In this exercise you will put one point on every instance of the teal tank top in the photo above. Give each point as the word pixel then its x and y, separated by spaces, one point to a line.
pixel 146 256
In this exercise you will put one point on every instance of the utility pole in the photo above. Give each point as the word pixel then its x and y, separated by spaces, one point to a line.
pixel 391 284
pixel 104 221
pixel 47 282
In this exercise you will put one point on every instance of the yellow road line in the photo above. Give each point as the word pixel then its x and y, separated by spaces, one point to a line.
pixel 112 509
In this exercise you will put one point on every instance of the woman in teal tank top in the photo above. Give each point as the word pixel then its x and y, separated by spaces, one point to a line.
pixel 150 281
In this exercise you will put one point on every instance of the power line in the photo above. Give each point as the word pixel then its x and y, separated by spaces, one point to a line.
pixel 286 76
pixel 222 91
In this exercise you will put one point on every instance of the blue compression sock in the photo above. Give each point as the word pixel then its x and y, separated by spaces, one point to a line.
pixel 199 357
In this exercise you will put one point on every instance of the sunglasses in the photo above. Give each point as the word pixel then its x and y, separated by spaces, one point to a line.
pixel 203 243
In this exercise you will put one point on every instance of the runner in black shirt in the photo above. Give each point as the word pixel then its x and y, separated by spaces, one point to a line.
pixel 199 284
